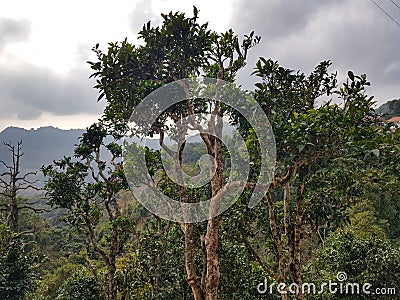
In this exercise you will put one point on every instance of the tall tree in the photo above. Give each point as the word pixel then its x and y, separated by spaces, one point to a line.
pixel 178 49
pixel 88 189
pixel 318 153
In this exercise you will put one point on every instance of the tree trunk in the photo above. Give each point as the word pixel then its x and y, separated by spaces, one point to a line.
pixel 213 274
pixel 297 238
pixel 13 222
pixel 14 209
pixel 190 265
pixel 112 283
pixel 211 239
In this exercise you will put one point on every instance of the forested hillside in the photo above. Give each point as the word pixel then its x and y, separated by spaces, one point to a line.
pixel 390 109
pixel 42 145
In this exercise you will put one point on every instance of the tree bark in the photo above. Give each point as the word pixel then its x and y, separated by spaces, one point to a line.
pixel 297 239
pixel 213 273
pixel 211 239
pixel 14 211
pixel 190 265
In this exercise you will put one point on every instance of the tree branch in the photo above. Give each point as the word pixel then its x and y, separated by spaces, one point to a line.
pixel 37 210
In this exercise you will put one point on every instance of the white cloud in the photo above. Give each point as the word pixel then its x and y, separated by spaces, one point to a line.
pixel 58 27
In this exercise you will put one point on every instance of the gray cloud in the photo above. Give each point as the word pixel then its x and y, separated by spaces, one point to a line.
pixel 354 34
pixel 28 91
pixel 13 30
pixel 142 14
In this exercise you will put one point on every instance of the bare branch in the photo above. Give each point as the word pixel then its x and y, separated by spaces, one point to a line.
pixel 6 173
pixel 6 194
pixel 165 147
pixel 26 175
pixel 26 232
pixel 5 165
pixel 29 186
pixel 38 210
pixel 2 181
pixel 94 176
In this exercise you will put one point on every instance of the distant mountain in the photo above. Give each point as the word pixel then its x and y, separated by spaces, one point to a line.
pixel 44 145
pixel 40 146
pixel 389 109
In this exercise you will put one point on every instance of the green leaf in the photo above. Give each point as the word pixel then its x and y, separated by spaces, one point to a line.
pixel 351 75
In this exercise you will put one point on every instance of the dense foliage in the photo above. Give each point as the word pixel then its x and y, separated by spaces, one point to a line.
pixel 18 265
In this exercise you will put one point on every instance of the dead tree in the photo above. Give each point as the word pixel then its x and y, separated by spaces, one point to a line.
pixel 12 181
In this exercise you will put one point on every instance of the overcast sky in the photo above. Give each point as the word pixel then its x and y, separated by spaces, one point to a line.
pixel 44 46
